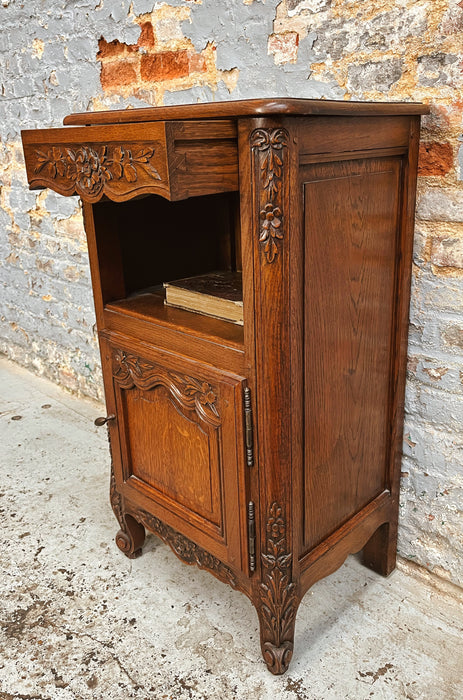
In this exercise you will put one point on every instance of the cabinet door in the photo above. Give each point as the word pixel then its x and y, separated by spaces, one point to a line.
pixel 178 447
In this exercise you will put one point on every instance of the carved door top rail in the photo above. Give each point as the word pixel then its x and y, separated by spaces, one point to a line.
pixel 189 392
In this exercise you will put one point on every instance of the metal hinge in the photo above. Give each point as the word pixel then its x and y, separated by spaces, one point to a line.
pixel 252 536
pixel 249 439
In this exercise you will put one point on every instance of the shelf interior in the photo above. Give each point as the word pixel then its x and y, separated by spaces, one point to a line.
pixel 148 241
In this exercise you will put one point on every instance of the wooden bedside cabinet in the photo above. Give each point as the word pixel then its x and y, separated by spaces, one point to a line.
pixel 269 451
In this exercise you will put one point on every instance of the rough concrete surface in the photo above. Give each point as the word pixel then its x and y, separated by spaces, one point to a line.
pixel 78 620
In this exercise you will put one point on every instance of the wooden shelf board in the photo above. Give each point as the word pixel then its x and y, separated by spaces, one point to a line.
pixel 150 308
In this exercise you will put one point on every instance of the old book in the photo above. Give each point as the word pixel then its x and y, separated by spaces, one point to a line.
pixel 217 294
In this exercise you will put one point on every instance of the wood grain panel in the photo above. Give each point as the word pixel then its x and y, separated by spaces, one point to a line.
pixel 171 451
pixel 334 135
pixel 206 161
pixel 350 253
pixel 210 344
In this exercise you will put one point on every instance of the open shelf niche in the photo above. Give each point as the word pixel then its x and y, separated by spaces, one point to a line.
pixel 147 241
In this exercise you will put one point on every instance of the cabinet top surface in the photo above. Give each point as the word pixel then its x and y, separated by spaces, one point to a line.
pixel 247 108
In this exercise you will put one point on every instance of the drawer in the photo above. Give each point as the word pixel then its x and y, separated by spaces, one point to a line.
pixel 173 159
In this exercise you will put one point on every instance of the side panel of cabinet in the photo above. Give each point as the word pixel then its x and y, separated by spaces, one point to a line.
pixel 177 444
pixel 351 254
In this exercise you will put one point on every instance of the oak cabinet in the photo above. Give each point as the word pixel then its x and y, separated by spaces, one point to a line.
pixel 265 453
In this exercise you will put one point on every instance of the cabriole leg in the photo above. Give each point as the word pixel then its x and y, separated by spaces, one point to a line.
pixel 131 536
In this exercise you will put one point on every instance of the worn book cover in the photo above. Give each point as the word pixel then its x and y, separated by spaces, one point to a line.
pixel 217 294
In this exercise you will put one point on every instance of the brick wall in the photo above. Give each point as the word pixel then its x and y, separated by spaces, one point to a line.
pixel 71 56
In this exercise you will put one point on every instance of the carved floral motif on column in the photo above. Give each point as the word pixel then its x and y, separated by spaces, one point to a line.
pixel 278 601
pixel 268 147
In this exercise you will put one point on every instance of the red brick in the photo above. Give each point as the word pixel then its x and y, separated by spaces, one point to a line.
pixel 114 48
pixel 453 24
pixel 166 65
pixel 146 37
pixel 447 251
pixel 197 63
pixel 435 158
pixel 117 73
pixel 284 47
pixel 453 335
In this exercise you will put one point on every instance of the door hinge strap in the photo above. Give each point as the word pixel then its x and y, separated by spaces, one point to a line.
pixel 248 426
pixel 252 536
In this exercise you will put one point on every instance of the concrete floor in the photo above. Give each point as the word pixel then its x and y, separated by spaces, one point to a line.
pixel 78 620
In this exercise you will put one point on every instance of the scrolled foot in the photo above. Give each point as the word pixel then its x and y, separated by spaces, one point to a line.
pixel 277 595
pixel 277 658
pixel 130 537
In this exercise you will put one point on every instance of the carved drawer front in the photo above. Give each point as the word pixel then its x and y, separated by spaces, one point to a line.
pixel 173 159
pixel 179 448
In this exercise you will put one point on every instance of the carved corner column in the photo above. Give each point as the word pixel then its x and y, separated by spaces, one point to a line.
pixel 278 602
pixel 270 163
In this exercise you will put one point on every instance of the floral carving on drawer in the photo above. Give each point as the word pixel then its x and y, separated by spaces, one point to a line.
pixel 91 170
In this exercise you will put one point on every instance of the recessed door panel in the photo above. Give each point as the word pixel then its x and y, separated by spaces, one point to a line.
pixel 351 224
pixel 173 451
